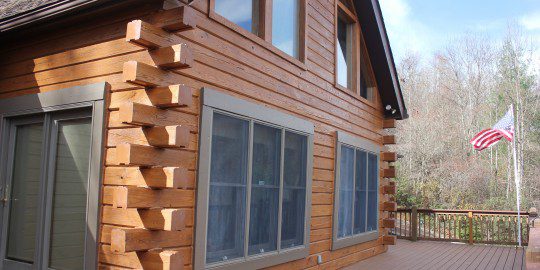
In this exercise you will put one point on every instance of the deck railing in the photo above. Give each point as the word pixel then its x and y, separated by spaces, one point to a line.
pixel 469 226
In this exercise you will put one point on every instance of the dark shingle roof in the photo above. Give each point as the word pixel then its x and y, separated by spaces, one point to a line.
pixel 9 8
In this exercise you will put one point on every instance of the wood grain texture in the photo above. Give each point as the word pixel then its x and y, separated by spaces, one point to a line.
pixel 160 259
pixel 142 155
pixel 388 206
pixel 156 177
pixel 139 197
pixel 389 156
pixel 152 219
pixel 136 239
pixel 177 56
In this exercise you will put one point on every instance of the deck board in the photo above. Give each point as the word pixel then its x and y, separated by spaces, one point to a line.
pixel 443 255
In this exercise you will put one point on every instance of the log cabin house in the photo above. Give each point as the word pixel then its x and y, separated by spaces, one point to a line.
pixel 205 134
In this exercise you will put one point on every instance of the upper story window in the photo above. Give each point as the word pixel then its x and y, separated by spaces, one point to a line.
pixel 353 69
pixel 279 22
pixel 356 191
pixel 346 47
pixel 244 13
pixel 254 185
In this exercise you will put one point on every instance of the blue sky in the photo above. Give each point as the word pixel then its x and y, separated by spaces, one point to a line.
pixel 425 26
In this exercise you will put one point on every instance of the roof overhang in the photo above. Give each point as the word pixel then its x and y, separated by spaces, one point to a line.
pixel 382 61
pixel 44 12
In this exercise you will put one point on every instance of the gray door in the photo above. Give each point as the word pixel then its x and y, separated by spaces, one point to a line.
pixel 44 206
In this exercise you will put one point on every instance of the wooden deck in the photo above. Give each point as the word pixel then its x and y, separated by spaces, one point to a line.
pixel 444 255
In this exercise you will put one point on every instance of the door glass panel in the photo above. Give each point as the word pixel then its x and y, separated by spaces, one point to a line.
pixel 264 189
pixel 227 198
pixel 286 26
pixel 346 179
pixel 68 227
pixel 294 190
pixel 25 193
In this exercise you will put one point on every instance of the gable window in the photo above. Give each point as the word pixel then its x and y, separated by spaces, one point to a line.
pixel 346 46
pixel 254 185
pixel 356 191
pixel 353 69
pixel 51 145
pixel 280 23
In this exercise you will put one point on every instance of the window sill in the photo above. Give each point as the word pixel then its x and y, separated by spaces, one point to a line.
pixel 354 240
pixel 260 41
pixel 263 261
pixel 349 92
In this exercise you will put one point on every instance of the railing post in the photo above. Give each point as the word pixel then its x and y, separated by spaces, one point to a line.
pixel 414 223
pixel 471 240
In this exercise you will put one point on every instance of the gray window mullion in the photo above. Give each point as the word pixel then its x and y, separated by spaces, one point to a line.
pixel 280 200
pixel 367 191
pixel 248 188
pixel 353 190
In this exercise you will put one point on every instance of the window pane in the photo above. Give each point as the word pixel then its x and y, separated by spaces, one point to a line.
pixel 346 181
pixel 285 26
pixel 264 189
pixel 245 13
pixel 68 228
pixel 344 53
pixel 25 193
pixel 372 192
pixel 228 169
pixel 360 192
pixel 294 190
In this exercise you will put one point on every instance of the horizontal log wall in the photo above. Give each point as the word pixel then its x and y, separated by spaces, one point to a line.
pixel 158 126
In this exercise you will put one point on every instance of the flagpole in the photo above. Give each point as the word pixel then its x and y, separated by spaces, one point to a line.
pixel 516 175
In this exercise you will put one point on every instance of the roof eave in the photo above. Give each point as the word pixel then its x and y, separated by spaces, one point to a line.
pixel 44 12
pixel 382 60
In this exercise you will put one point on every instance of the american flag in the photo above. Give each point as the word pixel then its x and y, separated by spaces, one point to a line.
pixel 488 137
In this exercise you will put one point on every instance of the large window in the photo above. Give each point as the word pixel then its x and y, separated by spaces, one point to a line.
pixel 254 185
pixel 50 171
pixel 280 22
pixel 356 191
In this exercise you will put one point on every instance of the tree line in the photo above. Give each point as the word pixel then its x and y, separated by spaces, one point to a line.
pixel 451 96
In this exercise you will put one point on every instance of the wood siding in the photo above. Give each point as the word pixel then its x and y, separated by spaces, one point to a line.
pixel 95 50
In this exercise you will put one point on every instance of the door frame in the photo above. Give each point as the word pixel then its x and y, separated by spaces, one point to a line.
pixel 86 96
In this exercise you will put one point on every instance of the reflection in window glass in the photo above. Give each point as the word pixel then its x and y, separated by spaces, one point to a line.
pixel 244 13
pixel 277 160
pixel 25 193
pixel 228 173
pixel 360 192
pixel 372 192
pixel 286 26
pixel 344 53
pixel 346 172
pixel 264 189
pixel 294 190
pixel 68 228
pixel 357 211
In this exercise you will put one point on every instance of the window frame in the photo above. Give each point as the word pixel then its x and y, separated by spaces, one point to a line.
pixel 359 56
pixel 264 37
pixel 356 143
pixel 349 16
pixel 214 101
pixel 30 106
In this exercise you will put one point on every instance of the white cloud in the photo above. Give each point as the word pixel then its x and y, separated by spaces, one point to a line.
pixel 404 31
pixel 531 21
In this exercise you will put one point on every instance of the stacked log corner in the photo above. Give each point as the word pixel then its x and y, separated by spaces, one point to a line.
pixel 148 192
pixel 388 187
